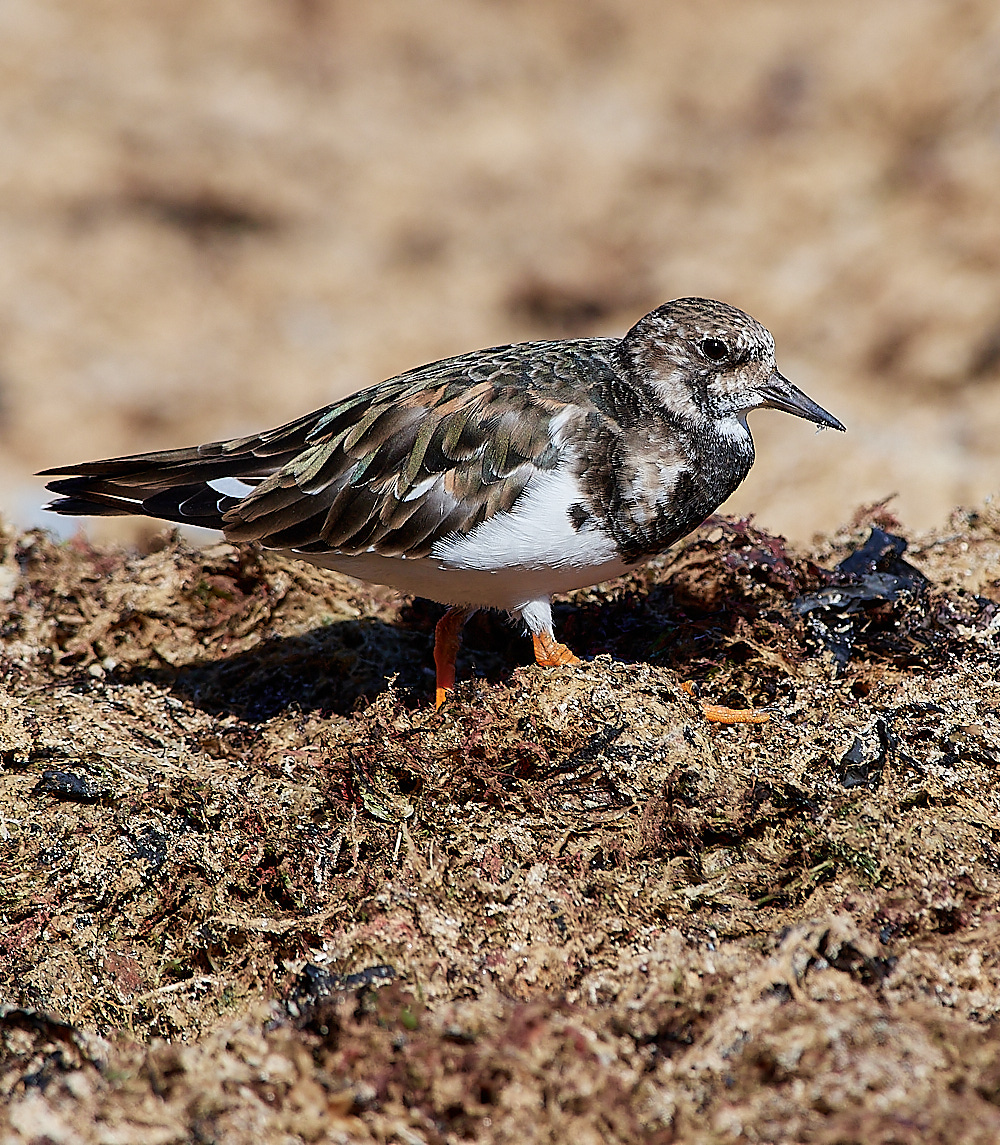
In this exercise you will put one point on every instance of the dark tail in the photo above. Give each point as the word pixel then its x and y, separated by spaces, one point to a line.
pixel 190 486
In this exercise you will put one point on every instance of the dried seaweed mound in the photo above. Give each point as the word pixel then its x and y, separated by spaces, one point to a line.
pixel 252 887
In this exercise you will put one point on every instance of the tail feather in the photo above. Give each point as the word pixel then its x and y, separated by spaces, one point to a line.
pixel 185 504
pixel 171 485
pixel 157 471
pixel 96 505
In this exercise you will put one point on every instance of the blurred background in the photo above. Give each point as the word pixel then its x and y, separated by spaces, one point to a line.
pixel 218 214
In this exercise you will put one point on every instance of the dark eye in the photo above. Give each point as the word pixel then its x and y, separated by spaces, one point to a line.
pixel 715 350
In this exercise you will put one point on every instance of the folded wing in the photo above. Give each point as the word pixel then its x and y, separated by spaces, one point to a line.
pixel 390 470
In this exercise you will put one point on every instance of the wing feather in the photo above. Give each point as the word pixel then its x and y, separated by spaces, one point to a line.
pixel 392 469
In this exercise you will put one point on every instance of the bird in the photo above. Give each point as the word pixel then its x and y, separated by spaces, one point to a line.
pixel 493 479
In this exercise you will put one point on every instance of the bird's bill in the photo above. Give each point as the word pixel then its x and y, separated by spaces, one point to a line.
pixel 779 393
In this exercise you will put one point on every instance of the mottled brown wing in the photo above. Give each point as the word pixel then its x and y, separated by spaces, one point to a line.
pixel 415 463
pixel 390 469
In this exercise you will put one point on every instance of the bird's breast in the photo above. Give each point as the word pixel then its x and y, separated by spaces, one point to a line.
pixel 648 494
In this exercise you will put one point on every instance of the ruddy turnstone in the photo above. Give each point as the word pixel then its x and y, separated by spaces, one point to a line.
pixel 489 480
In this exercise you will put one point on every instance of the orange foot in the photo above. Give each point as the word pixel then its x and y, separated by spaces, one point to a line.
pixel 549 653
pixel 717 714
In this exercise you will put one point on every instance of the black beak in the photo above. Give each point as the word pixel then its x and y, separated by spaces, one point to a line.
pixel 779 393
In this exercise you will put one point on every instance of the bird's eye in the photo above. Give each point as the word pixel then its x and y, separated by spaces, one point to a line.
pixel 715 350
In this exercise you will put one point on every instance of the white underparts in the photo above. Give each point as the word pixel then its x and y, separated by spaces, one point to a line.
pixel 538 534
pixel 513 561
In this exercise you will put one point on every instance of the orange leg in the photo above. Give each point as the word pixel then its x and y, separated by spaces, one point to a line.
pixel 717 714
pixel 549 653
pixel 447 641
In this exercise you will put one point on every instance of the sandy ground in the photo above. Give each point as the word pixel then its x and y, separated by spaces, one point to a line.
pixel 214 216
pixel 252 889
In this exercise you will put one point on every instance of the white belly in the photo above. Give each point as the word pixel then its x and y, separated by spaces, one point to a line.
pixel 506 562
pixel 506 588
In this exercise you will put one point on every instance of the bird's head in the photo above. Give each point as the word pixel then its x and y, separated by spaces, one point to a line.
pixel 706 359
